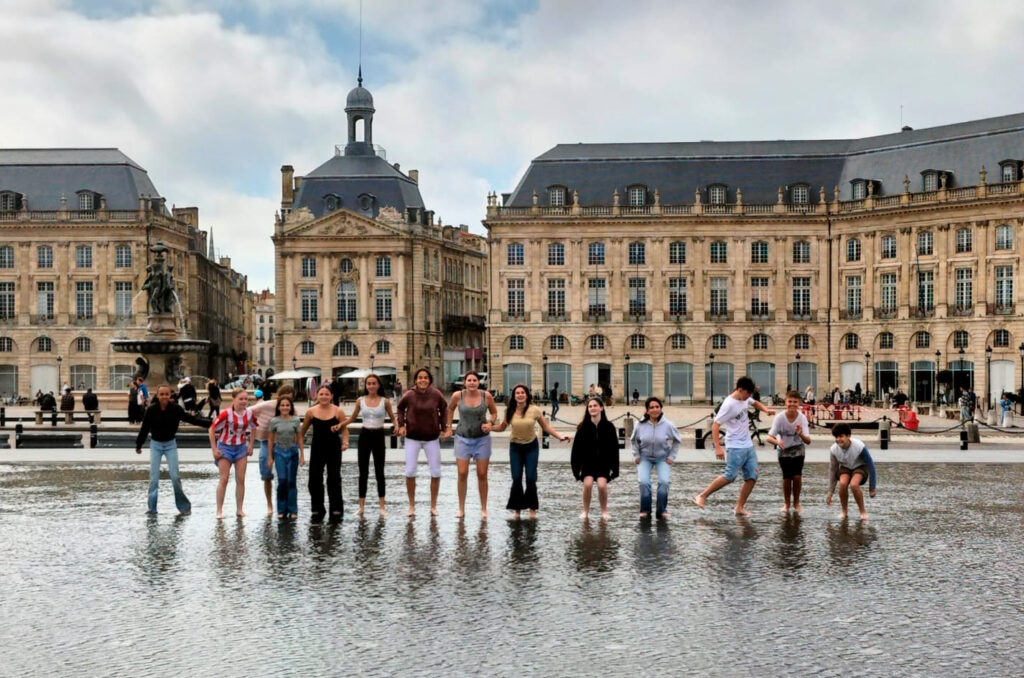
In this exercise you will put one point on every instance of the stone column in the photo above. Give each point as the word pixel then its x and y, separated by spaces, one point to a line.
pixel 535 263
pixel 903 255
pixel 942 251
pixel 576 289
pixel 329 307
pixel 872 298
pixel 363 300
pixel 700 274
pixel 740 281
pixel 657 281
pixel 981 291
pixel 618 295
pixel 400 312
pixel 780 278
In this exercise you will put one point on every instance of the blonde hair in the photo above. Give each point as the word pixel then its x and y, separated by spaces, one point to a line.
pixel 235 392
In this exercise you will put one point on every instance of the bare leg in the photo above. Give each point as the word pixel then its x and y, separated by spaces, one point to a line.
pixel 602 496
pixel 410 489
pixel 716 484
pixel 362 506
pixel 748 487
pixel 240 486
pixel 224 466
pixel 798 483
pixel 787 492
pixel 268 487
pixel 844 493
pixel 588 486
pixel 435 487
pixel 383 510
pixel 463 465
pixel 858 495
pixel 481 481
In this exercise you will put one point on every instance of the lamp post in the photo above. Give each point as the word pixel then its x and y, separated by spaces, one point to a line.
pixel 960 367
pixel 544 376
pixel 627 382
pixel 867 375
pixel 371 361
pixel 988 378
pixel 294 362
pixel 59 361
pixel 935 386
pixel 1021 392
pixel 711 357
pixel 798 384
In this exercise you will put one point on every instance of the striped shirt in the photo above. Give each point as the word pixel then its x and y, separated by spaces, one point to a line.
pixel 234 427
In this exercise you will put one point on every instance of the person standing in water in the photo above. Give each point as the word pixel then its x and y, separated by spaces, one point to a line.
pixel 789 433
pixel 595 455
pixel 161 420
pixel 655 444
pixel 263 412
pixel 422 413
pixel 325 453
pixel 375 410
pixel 286 453
pixel 850 464
pixel 472 437
pixel 232 447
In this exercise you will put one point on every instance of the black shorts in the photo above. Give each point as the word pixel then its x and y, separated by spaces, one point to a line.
pixel 792 466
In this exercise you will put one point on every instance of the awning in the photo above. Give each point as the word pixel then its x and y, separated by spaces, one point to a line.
pixel 293 374
pixel 363 374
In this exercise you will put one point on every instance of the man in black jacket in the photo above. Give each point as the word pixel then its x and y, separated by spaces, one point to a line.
pixel 187 395
pixel 214 401
pixel 90 402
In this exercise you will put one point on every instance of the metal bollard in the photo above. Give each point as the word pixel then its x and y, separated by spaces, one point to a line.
pixel 394 442
pixel 883 438
pixel 699 441
pixel 92 435
pixel 53 417
pixel 963 439
pixel 3 416
pixel 18 430
pixel 544 442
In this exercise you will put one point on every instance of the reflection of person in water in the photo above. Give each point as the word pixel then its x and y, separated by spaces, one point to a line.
pixel 846 542
pixel 594 549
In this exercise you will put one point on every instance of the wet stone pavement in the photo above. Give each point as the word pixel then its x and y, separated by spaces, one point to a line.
pixel 931 585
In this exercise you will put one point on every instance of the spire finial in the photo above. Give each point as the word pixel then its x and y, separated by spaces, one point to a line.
pixel 360 78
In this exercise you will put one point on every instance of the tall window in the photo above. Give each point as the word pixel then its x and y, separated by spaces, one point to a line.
pixel 931 181
pixel 347 304
pixel 83 344
pixel 556 342
pixel 597 296
pixel 852 342
pixel 8 202
pixel 1009 172
pixel 45 256
pixel 6 257
pixel 44 345
pixel 716 195
pixel 888 293
pixel 556 254
pixel 960 339
pixel 6 300
pixel 802 342
pixel 383 267
pixel 719 297
pixel 307 347
pixel 383 347
pixel 638 342
pixel 719 252
pixel 860 190
pixel 310 306
pixel 759 252
pixel 853 249
pixel 595 254
pixel 799 194
pixel 923 340
pixel 637 196
pixel 677 253
pixel 517 298
pixel 801 252
pixel 308 267
pixel 83 299
pixel 85 201
pixel 556 196
pixel 382 299
pixel 802 296
pixel 760 342
pixel 556 297
pixel 637 254
pixel 677 342
pixel 637 296
pixel 719 342
pixel 853 295
pixel 889 247
pixel 677 297
pixel 926 290
pixel 6 345
pixel 123 256
pixel 964 240
pixel 517 342
pixel 596 342
pixel 759 297
pixel 964 289
pixel 516 255
pixel 1001 338
pixel 44 299
pixel 925 243
pixel 886 340
pixel 83 256
pixel 1004 237
pixel 1004 288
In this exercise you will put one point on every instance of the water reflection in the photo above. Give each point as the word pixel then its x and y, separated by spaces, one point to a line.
pixel 789 550
pixel 230 553
pixel 848 540
pixel 368 540
pixel 280 543
pixel 733 547
pixel 420 559
pixel 521 550
pixel 158 557
pixel 472 555
pixel 654 551
pixel 323 538
pixel 594 548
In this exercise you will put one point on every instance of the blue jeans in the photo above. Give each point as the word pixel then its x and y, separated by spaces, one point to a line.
pixel 523 456
pixel 286 461
pixel 554 409
pixel 158 449
pixel 643 475
pixel 266 473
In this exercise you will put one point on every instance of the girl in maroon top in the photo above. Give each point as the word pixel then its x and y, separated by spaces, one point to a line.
pixel 422 413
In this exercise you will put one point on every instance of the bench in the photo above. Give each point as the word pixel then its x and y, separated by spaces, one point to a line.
pixel 47 440
pixel 69 416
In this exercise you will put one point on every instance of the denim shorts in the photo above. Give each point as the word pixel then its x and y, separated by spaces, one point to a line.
pixel 737 458
pixel 473 448
pixel 231 452
pixel 266 470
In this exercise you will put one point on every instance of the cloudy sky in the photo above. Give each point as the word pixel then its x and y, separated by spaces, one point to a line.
pixel 213 97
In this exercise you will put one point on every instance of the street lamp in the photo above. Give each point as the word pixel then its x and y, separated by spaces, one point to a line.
pixel 627 382
pixel 371 361
pixel 867 374
pixel 544 376
pixel 988 378
pixel 935 386
pixel 59 361
pixel 711 357
pixel 959 367
pixel 1020 393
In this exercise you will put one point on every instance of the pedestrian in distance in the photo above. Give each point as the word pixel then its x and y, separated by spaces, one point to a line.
pixel 264 411
pixel 422 414
pixel 789 434
pixel 553 394
pixel 214 397
pixel 636 396
pixel 850 464
pixel 595 455
pixel 161 421
pixel 524 449
pixel 187 395
pixel 286 452
pixel 1006 405
pixel 738 451
pixel 472 437
pixel 325 454
pixel 232 444
pixel 375 409
pixel 90 403
pixel 67 401
pixel 655 442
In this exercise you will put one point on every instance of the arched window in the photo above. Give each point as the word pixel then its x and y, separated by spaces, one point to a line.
pixel 886 340
pixel 345 348
pixel 83 344
pixel 677 252
pixel 719 342
pixel 516 342
pixel 556 342
pixel 383 347
pixel 801 252
pixel 637 196
pixel 556 196
pixel 9 202
pixel 852 342
pixel 307 347
pixel 596 342
pixel 637 342
pixel 761 342
pixel 677 342
pixel 44 256
pixel 44 345
pixel 802 342
pixel 922 340
pixel 759 252
pixel 961 339
pixel 437 350
pixel 1001 338
pixel 637 254
pixel 717 194
pixel 719 252
pixel 6 345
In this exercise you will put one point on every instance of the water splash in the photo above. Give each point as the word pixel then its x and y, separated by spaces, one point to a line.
pixel 181 315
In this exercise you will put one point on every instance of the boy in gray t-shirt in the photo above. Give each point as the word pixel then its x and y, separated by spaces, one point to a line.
pixel 789 433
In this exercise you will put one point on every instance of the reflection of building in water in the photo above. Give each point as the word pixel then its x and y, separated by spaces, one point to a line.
pixel 677 267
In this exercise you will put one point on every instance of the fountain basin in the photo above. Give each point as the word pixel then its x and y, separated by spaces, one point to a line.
pixel 160 346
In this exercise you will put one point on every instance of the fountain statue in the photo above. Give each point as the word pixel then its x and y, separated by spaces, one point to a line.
pixel 165 339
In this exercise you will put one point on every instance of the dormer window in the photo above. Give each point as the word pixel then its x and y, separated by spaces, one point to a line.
pixel 9 201
pixel 1008 171
pixel 637 196
pixel 716 194
pixel 799 194
pixel 931 180
pixel 859 189
pixel 332 202
pixel 366 202
pixel 556 196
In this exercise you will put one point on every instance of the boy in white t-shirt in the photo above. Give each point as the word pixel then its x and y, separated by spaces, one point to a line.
pixel 732 415
pixel 789 435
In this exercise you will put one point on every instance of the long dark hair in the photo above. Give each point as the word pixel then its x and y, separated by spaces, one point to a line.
pixel 586 413
pixel 647 404
pixel 429 376
pixel 512 405
pixel 277 407
pixel 380 386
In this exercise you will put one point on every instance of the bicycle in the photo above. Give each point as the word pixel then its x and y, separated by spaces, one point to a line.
pixel 756 431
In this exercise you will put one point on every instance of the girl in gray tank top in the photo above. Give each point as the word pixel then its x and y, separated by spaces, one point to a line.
pixel 471 419
pixel 472 437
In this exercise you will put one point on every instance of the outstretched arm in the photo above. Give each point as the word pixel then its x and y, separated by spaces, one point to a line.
pixel 546 425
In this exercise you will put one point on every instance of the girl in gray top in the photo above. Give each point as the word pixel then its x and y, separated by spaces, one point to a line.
pixel 286 455
pixel 472 436
pixel 655 443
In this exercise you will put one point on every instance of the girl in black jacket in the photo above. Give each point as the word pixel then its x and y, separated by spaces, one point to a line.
pixel 595 455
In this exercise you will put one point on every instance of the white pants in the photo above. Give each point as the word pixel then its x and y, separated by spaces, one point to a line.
pixel 412 455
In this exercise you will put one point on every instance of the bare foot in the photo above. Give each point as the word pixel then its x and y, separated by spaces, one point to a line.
pixel 433 511
pixel 240 514
pixel 460 514
pixel 785 509
pixel 533 514
pixel 412 511
pixel 798 508
pixel 645 515
pixel 584 515
pixel 483 515
pixel 700 501
pixel 842 515
pixel 280 516
pixel 359 511
pixel 863 516
pixel 294 516
pixel 606 516
pixel 220 516
pixel 270 510
pixel 516 515
pixel 742 512
pixel 666 515
pixel 383 512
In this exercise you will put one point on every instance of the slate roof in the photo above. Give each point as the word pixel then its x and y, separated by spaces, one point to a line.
pixel 44 174
pixel 759 168
pixel 351 176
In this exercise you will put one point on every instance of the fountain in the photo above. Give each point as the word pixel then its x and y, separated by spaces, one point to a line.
pixel 166 339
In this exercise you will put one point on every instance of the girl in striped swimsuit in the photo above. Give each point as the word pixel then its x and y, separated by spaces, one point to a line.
pixel 232 446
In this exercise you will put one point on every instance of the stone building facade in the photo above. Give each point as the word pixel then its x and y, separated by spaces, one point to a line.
pixel 672 269
pixel 365 275
pixel 76 226
pixel 262 354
